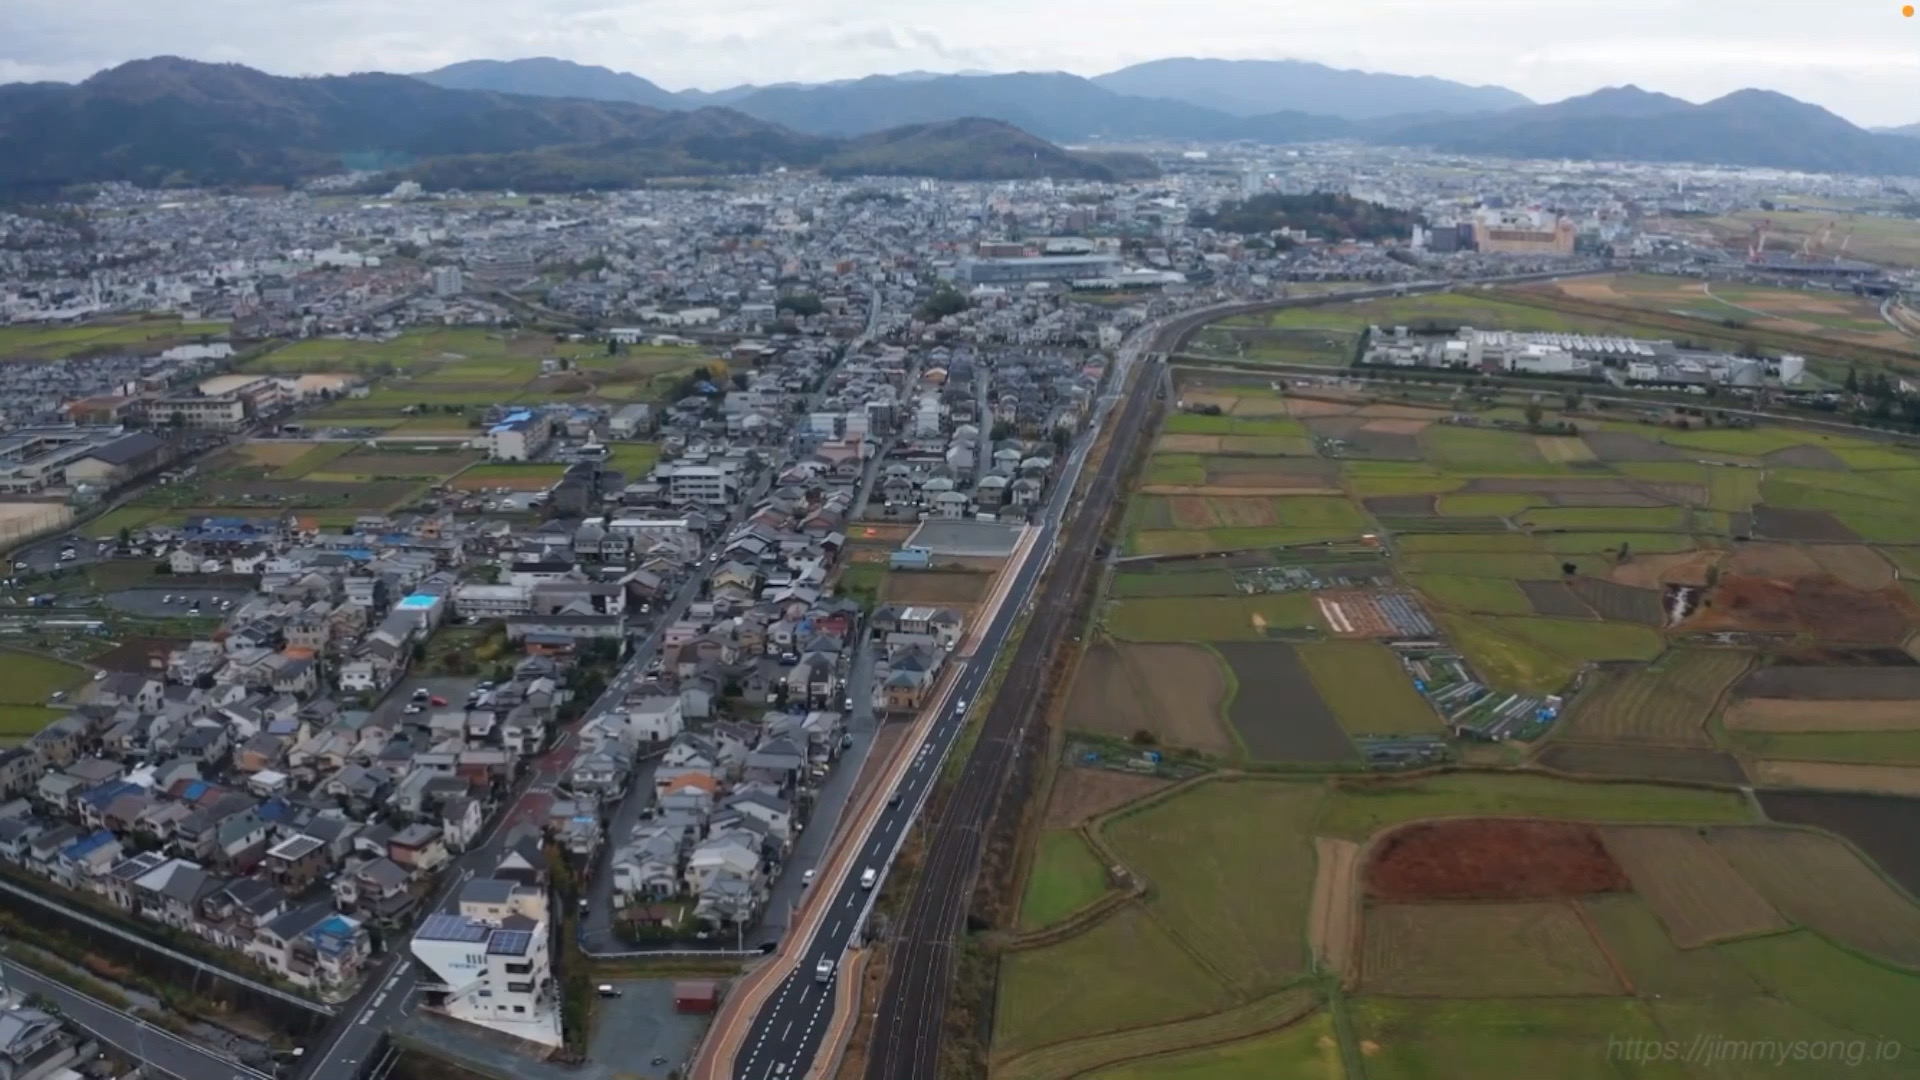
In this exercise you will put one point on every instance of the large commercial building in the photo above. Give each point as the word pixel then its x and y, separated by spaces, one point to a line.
pixel 1522 232
pixel 1043 268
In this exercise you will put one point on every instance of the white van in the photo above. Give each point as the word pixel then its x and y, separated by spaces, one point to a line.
pixel 869 878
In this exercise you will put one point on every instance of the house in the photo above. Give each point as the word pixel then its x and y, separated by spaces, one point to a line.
pixel 297 862
pixel 461 818
pixel 419 848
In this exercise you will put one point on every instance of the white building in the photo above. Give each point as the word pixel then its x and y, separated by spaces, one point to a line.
pixel 479 601
pixel 448 281
pixel 708 485
pixel 519 437
pixel 496 974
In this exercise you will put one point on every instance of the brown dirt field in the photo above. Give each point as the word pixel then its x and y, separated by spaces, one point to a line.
pixel 1335 915
pixel 1880 826
pixel 1225 512
pixel 879 534
pixel 1188 444
pixel 1800 525
pixel 1768 560
pixel 1698 895
pixel 1397 427
pixel 1820 883
pixel 1821 606
pixel 1653 571
pixel 399 464
pixel 1303 407
pixel 1173 691
pixel 1855 565
pixel 1232 491
pixel 1791 714
pixel 934 587
pixel 1832 683
pixel 1492 859
pixel 1823 776
pixel 1082 794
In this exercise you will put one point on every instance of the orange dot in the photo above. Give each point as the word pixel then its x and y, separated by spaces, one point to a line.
pixel 1907 11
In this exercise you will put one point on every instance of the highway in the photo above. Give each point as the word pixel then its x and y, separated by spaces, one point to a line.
pixel 786 1034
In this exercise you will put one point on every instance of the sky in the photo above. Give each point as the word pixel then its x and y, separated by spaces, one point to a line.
pixel 1860 58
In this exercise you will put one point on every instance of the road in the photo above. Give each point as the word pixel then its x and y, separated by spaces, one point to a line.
pixel 786 1034
pixel 154 1047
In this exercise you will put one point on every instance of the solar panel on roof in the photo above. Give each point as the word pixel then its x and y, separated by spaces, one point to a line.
pixel 509 942
pixel 444 927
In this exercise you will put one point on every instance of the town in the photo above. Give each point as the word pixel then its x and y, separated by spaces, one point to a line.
pixel 416 599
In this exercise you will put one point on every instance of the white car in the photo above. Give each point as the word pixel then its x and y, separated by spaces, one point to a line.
pixel 806 879
pixel 869 878
pixel 823 970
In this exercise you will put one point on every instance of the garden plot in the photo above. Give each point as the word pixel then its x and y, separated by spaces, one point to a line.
pixel 1833 683
pixel 1081 793
pixel 1898 780
pixel 1776 523
pixel 1777 715
pixel 1619 603
pixel 1554 598
pixel 1884 827
pixel 1388 614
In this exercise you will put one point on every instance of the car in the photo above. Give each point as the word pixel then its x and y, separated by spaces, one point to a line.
pixel 960 706
pixel 21 566
pixel 894 799
pixel 67 556
pixel 413 708
pixel 823 971
pixel 607 990
pixel 806 879
pixel 869 878
pixel 482 686
pixel 99 675
pixel 422 694
pixel 167 599
pixel 585 904
pixel 437 701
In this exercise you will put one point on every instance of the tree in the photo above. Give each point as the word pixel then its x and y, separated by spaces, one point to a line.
pixel 1853 381
pixel 126 537
pixel 1534 413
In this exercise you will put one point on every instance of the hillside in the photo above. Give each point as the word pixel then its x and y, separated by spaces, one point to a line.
pixel 172 122
pixel 544 76
pixel 976 149
pixel 1748 127
pixel 1334 217
pixel 1254 87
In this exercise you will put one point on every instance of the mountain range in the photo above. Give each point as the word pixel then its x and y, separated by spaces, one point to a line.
pixel 175 122
pixel 1292 101
pixel 554 125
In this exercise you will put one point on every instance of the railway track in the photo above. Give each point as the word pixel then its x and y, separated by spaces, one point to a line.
pixel 908 1031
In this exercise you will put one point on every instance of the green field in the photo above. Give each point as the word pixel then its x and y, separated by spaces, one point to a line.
pixel 490 351
pixel 1125 973
pixel 1507 1039
pixel 54 342
pixel 1367 689
pixel 27 682
pixel 1538 655
pixel 1487 595
pixel 1358 810
pixel 1232 871
pixel 1066 877
pixel 635 459
pixel 1304 1050
pixel 1225 618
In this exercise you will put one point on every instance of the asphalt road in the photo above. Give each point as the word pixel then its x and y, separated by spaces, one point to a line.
pixel 786 1034
pixel 154 1047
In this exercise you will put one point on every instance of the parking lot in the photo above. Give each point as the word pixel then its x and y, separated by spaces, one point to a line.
pixel 161 602
pixel 44 556
pixel 451 689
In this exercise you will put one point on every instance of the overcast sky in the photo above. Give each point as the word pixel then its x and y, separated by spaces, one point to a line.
pixel 1859 58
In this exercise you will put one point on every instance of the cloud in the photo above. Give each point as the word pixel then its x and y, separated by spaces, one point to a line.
pixel 1858 57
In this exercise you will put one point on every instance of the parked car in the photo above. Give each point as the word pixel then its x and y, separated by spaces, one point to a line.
pixel 437 701
pixel 607 990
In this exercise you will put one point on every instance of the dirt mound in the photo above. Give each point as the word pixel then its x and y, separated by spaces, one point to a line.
pixel 1822 606
pixel 1492 860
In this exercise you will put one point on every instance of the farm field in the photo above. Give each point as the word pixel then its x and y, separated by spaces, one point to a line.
pixel 1360 808
pixel 1819 883
pixel 1079 794
pixel 1232 869
pixel 1509 1039
pixel 30 679
pixel 1694 890
pixel 1882 827
pixel 1666 702
pixel 1276 711
pixel 935 587
pixel 1537 949
pixel 1250 1023
pixel 1173 693
pixel 1066 877
pixel 1234 618
pixel 106 337
pixel 1368 690
pixel 1125 973
pixel 1305 1049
